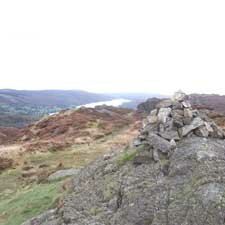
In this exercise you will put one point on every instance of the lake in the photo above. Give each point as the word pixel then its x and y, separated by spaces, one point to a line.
pixel 114 102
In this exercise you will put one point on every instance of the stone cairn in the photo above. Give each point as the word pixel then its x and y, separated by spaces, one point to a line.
pixel 171 121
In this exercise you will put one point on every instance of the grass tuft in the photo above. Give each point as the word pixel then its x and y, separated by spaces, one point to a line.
pixel 126 156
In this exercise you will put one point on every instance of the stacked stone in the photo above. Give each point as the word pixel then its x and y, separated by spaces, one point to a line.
pixel 172 120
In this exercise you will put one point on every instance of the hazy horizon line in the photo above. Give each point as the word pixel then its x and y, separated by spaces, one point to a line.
pixel 102 92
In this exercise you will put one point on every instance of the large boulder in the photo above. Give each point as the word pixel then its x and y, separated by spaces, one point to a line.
pixel 197 122
pixel 60 174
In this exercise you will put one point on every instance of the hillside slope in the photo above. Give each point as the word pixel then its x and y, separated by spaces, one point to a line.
pixel 175 176
pixel 60 143
pixel 67 128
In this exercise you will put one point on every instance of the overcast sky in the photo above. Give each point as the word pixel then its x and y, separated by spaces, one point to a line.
pixel 113 46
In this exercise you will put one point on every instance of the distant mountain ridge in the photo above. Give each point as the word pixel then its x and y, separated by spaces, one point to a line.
pixel 213 102
pixel 19 108
pixel 49 98
pixel 136 98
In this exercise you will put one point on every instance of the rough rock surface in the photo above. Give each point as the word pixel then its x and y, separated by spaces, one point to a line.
pixel 44 219
pixel 62 174
pixel 173 120
pixel 187 189
pixel 184 187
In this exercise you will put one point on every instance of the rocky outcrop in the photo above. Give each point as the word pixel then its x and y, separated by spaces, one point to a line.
pixel 176 176
pixel 211 102
pixel 45 218
pixel 60 174
pixel 186 189
pixel 148 106
pixel 173 120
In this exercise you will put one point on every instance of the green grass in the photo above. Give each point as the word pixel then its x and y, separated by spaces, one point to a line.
pixel 9 181
pixel 21 200
pixel 129 154
pixel 75 156
pixel 126 156
pixel 28 203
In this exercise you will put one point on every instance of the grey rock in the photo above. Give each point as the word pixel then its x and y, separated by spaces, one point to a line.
pixel 190 135
pixel 163 114
pixel 196 113
pixel 217 131
pixel 186 104
pixel 110 168
pixel 161 128
pixel 178 122
pixel 148 106
pixel 202 131
pixel 173 144
pixel 155 155
pixel 144 123
pixel 179 112
pixel 152 119
pixel 47 218
pixel 159 143
pixel 62 174
pixel 168 126
pixel 206 155
pixel 137 142
pixel 177 105
pixel 197 122
pixel 149 128
pixel 142 137
pixel 187 121
pixel 208 127
pixel 169 135
pixel 188 113
pixel 142 158
pixel 179 96
pixel 107 156
pixel 212 193
pixel 177 119
pixel 154 112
